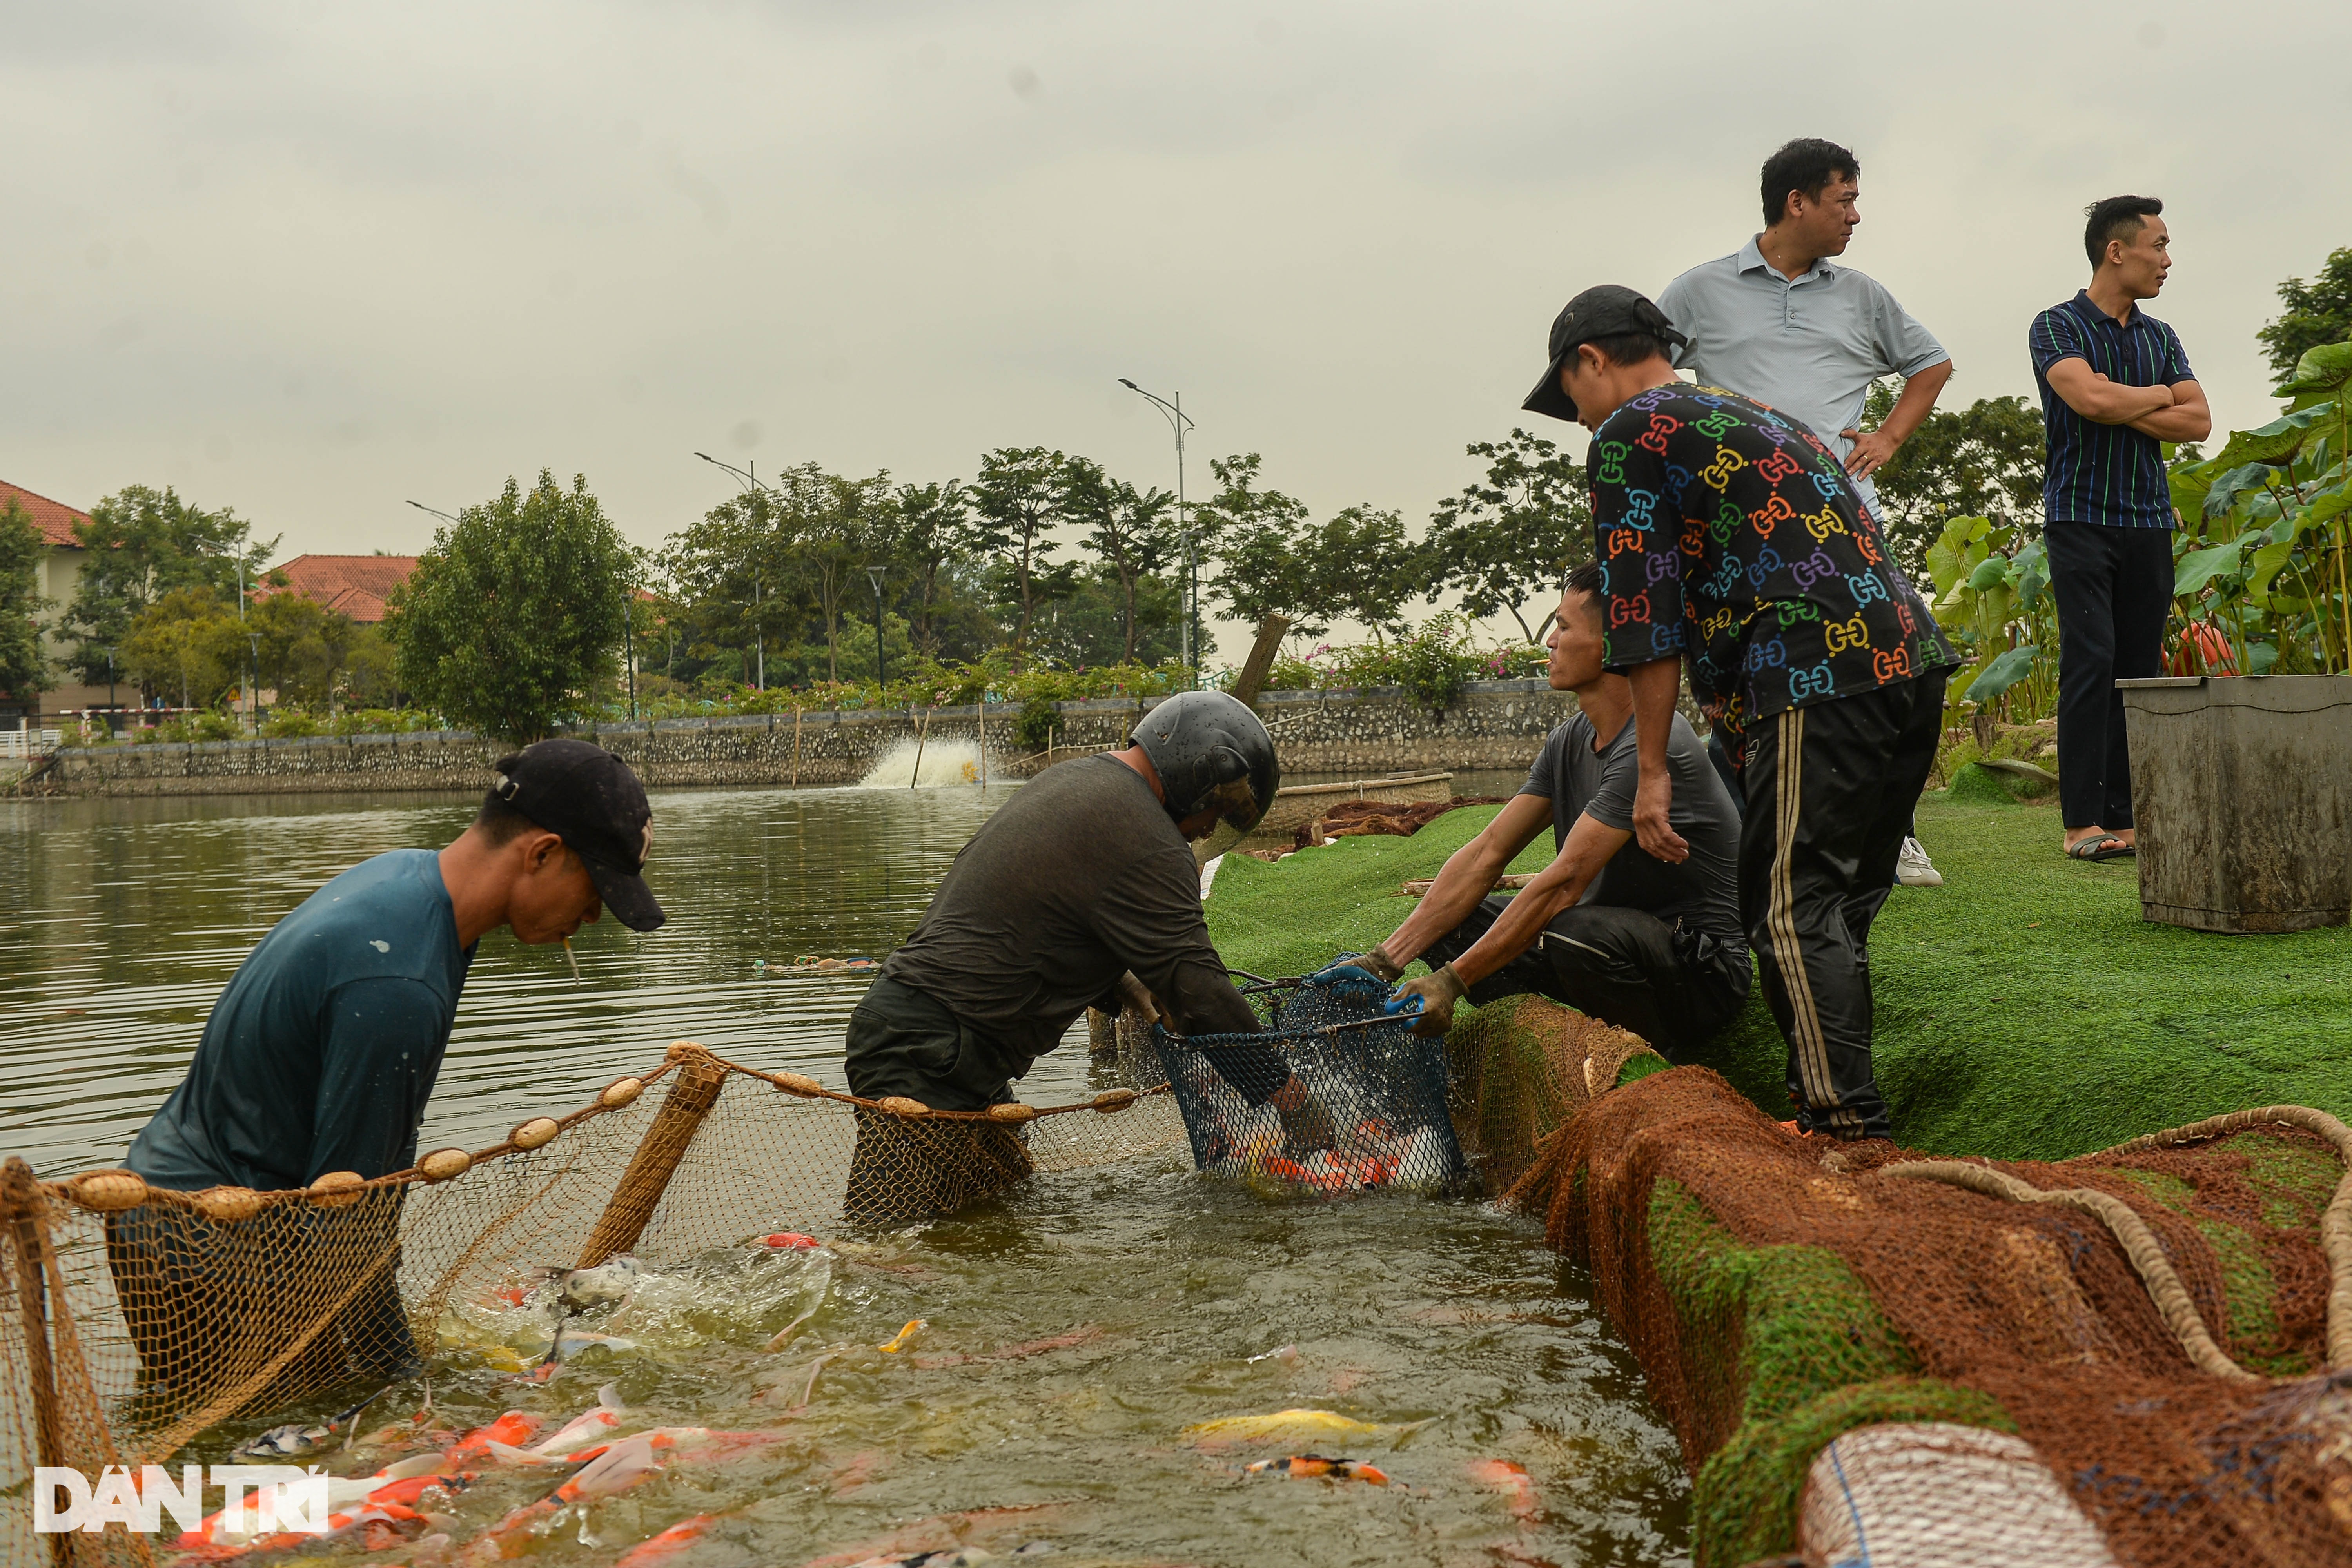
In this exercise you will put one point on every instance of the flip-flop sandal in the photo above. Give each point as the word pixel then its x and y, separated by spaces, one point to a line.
pixel 2100 846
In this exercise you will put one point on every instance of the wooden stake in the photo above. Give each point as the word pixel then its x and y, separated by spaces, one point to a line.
pixel 922 731
pixel 796 748
pixel 691 1096
pixel 981 709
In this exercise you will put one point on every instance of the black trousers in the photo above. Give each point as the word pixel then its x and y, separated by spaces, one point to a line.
pixel 1831 789
pixel 2114 587
pixel 1670 984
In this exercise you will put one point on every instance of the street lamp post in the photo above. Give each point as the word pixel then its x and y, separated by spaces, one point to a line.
pixel 253 683
pixel 881 668
pixel 750 481
pixel 1189 633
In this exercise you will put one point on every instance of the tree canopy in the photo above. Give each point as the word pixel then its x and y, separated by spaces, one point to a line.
pixel 513 621
pixel 1984 460
pixel 1513 536
pixel 143 545
pixel 2317 313
pixel 24 673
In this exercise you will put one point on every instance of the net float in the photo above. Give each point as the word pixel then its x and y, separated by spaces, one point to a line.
pixel 1016 1112
pixel 445 1165
pixel 798 1083
pixel 535 1134
pixel 621 1091
pixel 336 1189
pixel 1114 1099
pixel 899 1105
pixel 227 1205
pixel 684 1050
pixel 108 1191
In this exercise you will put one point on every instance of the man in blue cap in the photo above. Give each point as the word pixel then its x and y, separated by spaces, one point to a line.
pixel 322 1053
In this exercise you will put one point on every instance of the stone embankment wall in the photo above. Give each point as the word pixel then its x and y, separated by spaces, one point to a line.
pixel 1493 724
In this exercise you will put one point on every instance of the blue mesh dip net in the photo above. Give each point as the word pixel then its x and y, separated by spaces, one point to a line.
pixel 1379 1087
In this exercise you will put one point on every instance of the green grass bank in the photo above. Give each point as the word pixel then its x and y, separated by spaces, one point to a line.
pixel 2024 1010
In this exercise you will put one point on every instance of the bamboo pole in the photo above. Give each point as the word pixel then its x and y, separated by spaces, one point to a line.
pixel 691 1095
pixel 22 1197
pixel 980 707
pixel 796 748
pixel 922 732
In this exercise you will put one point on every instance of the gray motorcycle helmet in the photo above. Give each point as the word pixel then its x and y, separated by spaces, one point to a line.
pixel 1211 751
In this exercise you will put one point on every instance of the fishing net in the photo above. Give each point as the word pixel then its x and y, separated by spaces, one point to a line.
pixel 135 1320
pixel 1381 1090
pixel 1838 1332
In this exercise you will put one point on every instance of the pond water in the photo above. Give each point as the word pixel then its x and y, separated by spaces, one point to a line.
pixel 1073 1330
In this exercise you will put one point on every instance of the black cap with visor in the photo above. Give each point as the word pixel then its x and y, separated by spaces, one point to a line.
pixel 588 797
pixel 1601 311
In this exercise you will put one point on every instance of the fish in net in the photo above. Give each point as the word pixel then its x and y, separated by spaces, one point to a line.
pixel 1382 1085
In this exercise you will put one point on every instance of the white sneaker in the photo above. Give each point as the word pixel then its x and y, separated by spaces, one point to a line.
pixel 1913 870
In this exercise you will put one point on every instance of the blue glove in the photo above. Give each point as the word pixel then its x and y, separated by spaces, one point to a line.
pixel 1403 1002
pixel 1345 969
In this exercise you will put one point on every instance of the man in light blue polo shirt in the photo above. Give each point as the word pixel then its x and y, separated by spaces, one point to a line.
pixel 1776 321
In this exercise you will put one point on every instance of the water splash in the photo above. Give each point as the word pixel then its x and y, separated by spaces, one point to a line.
pixel 944 763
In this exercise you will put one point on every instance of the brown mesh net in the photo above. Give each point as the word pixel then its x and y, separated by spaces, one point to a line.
pixel 137 1318
pixel 1783 1291
pixel 2125 1357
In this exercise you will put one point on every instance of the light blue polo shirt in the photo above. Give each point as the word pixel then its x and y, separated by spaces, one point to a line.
pixel 1809 346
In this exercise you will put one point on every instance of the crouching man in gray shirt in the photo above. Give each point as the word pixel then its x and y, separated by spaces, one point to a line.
pixel 1651 947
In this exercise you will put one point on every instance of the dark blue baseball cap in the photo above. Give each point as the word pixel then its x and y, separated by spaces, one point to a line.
pixel 587 796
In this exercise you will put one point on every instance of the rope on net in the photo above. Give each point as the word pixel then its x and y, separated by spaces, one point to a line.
pixel 2146 1252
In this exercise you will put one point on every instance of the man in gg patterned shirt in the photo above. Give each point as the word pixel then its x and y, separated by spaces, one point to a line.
pixel 1732 540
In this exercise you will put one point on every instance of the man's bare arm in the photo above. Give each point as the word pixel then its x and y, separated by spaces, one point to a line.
pixel 2189 419
pixel 1655 685
pixel 1874 446
pixel 1555 888
pixel 1468 875
pixel 2101 401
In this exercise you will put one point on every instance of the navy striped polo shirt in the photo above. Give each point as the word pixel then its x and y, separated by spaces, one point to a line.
pixel 2109 474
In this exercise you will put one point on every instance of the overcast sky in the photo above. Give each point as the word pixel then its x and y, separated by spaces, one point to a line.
pixel 312 261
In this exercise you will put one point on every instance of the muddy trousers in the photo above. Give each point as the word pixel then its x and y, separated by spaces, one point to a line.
pixel 1830 792
pixel 1670 984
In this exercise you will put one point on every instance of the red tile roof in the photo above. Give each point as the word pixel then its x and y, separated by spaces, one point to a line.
pixel 355 584
pixel 54 518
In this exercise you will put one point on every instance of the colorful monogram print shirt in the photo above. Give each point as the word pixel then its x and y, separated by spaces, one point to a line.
pixel 1730 535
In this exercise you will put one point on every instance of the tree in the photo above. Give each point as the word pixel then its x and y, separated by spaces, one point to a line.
pixel 1016 502
pixel 1984 460
pixel 2317 313
pixel 188 643
pixel 143 545
pixel 24 673
pixel 1260 572
pixel 514 618
pixel 1131 532
pixel 737 581
pixel 1513 535
pixel 931 519
pixel 1362 563
pixel 840 527
pixel 303 648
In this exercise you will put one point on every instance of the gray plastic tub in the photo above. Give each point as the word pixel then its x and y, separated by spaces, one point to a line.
pixel 2243 789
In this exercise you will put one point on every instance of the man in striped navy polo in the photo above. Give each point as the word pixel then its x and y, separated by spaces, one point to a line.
pixel 2115 385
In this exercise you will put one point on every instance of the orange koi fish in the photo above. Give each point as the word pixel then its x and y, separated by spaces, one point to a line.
pixel 668 1543
pixel 1519 1489
pixel 1300 1464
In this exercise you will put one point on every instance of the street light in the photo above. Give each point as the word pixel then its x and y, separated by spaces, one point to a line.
pixel 881 670
pixel 750 481
pixel 1188 636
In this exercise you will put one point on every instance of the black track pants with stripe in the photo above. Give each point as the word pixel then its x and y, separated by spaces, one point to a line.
pixel 1831 789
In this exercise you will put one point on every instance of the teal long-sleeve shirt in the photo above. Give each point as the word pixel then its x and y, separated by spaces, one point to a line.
pixel 322 1051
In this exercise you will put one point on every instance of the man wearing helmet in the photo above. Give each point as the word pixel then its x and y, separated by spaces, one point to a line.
pixel 1084 879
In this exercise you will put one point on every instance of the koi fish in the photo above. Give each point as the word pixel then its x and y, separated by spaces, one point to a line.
pixel 786 1241
pixel 295 1439
pixel 1283 1424
pixel 612 1280
pixel 514 1428
pixel 1519 1489
pixel 1011 1353
pixel 904 1337
pixel 223 1536
pixel 1302 1465
pixel 668 1543
pixel 596 1422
